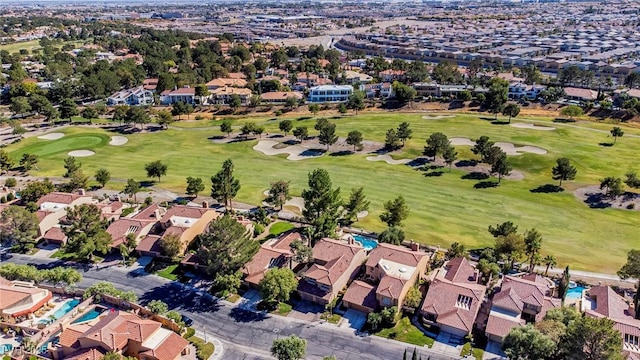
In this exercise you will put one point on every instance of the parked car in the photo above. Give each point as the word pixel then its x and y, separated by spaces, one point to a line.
pixel 187 320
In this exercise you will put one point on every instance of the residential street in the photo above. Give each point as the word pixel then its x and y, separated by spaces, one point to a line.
pixel 245 334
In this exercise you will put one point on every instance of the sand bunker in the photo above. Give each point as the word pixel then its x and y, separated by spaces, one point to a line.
pixel 296 152
pixel 508 148
pixel 118 140
pixel 436 117
pixel 462 141
pixel 51 136
pixel 388 159
pixel 532 126
pixel 81 153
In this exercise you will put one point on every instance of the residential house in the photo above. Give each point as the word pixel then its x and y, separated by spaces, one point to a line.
pixel 394 270
pixel 520 300
pixel 223 95
pixel 55 235
pixel 335 264
pixel 185 222
pixel 518 90
pixel 275 253
pixel 603 301
pixel 150 84
pixel 123 333
pixel 19 299
pixel 621 94
pixel 135 96
pixel 53 207
pixel 354 77
pixel 392 75
pixel 578 94
pixel 330 93
pixel 226 82
pixel 139 225
pixel 454 298
pixel 280 97
pixel 185 94
pixel 382 90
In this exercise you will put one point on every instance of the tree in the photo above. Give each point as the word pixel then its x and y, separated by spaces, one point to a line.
pixel 201 91
pixel 357 203
pixel 20 105
pixel 28 161
pixel 482 147
pixel 278 193
pixel 572 111
pixel 301 252
pixel 226 128
pixel 563 170
pixel 285 126
pixel 35 190
pixel 511 247
pixel 107 288
pixel 632 180
pixel 194 186
pixel 445 73
pixel 403 93
pixel 68 109
pixel 132 188
pixel 550 262
pixel 391 140
pixel 11 182
pixel 19 227
pixel 342 109
pixel 589 338
pixel 511 110
pixel 235 102
pixel 449 155
pixel 120 113
pixel 631 269
pixel 165 118
pixel 404 132
pixel 354 138
pixel 77 180
pixel 497 95
pixel 501 166
pixel 392 235
pixel 226 246
pixel 533 244
pixel 396 211
pixel 291 102
pixel 527 343
pixel 616 132
pixel 413 298
pixel 328 135
pixel 321 204
pixel 227 283
pixel 6 163
pixel 289 348
pixel 321 123
pixel 258 130
pixel 156 169
pixel 456 250
pixel 171 246
pixel 158 307
pixel 71 165
pixel 613 186
pixel 224 185
pixel 436 144
pixel 301 133
pixel 137 115
pixel 247 129
pixel 314 108
pixel 86 232
pixel 103 176
pixel 89 113
pixel 277 285
pixel 356 101
pixel 374 319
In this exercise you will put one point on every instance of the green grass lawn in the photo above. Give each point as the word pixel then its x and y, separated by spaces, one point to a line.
pixel 169 272
pixel 15 47
pixel 280 227
pixel 204 350
pixel 405 331
pixel 283 309
pixel 444 209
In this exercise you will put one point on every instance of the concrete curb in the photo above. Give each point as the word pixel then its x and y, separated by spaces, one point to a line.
pixel 219 349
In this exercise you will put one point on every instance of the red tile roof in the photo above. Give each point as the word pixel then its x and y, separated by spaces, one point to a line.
pixel 391 287
pixel 59 198
pixel 169 349
pixel 397 254
pixel 55 234
pixel 87 354
pixel 191 212
pixel 151 243
pixel 272 253
pixel 361 293
pixel 442 299
pixel 149 213
pixel 501 326
pixel 459 270
pixel 116 329
pixel 122 227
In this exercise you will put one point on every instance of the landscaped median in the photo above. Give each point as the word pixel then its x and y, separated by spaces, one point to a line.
pixel 203 350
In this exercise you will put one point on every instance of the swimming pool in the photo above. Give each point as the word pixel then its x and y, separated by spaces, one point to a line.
pixel 89 315
pixel 62 311
pixel 575 293
pixel 366 242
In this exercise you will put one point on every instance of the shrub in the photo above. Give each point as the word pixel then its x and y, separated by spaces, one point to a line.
pixel 10 182
pixel 199 117
pixel 190 332
pixel 278 112
pixel 258 229
pixel 631 206
pixel 3 200
pixel 10 197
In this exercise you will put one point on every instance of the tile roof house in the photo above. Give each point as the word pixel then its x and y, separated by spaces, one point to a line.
pixel 280 97
pixel 520 300
pixel 224 82
pixel 454 298
pixel 572 93
pixel 52 207
pixel 185 222
pixel 222 95
pixel 140 224
pixel 150 84
pixel 394 269
pixel 335 264
pixel 185 94
pixel 55 235
pixel 19 299
pixel 273 253
pixel 603 301
pixel 123 333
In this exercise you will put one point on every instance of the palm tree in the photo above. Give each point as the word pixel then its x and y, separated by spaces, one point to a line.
pixel 550 261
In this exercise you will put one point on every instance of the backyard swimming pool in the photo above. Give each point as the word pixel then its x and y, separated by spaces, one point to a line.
pixel 62 311
pixel 89 315
pixel 366 242
pixel 575 293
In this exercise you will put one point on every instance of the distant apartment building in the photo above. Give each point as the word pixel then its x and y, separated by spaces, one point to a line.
pixel 330 93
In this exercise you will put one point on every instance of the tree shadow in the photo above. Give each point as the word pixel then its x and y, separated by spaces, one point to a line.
pixel 302 118
pixel 466 163
pixel 547 189
pixel 418 162
pixel 598 201
pixel 475 175
pixel 381 151
pixel 605 144
pixel 563 121
pixel 217 137
pixel 487 118
pixel 498 122
pixel 341 153
pixel 147 183
pixel 434 173
pixel 313 152
pixel 486 185
pixel 291 142
pixel 275 136
pixel 244 316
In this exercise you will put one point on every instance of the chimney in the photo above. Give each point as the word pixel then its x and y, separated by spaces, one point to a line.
pixel 117 198
pixel 414 246
pixel 205 204
pixel 350 240
pixel 81 192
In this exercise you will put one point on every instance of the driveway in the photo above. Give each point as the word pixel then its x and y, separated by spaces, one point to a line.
pixel 493 351
pixel 444 345
pixel 46 251
pixel 353 319
pixel 249 300
pixel 307 311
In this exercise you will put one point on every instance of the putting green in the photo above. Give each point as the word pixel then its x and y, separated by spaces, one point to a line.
pixel 445 208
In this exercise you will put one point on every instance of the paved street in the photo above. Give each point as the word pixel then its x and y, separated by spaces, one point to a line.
pixel 245 334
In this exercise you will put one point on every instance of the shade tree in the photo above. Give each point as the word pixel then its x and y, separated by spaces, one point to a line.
pixel 278 193
pixel 563 170
pixel 194 186
pixel 396 211
pixel 224 185
pixel 354 138
pixel 436 144
pixel 156 169
pixel 322 204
